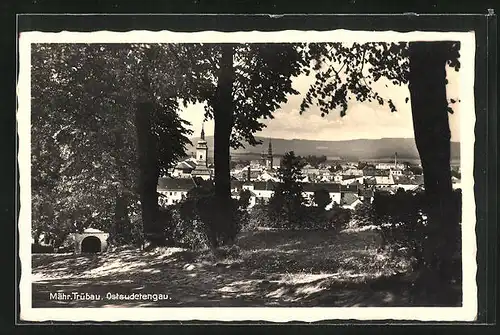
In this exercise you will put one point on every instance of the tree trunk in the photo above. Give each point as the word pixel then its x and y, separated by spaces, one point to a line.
pixel 430 115
pixel 432 137
pixel 223 119
pixel 122 233
pixel 148 172
pixel 121 220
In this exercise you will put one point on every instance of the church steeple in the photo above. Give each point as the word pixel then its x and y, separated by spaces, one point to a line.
pixel 270 149
pixel 202 149
pixel 269 158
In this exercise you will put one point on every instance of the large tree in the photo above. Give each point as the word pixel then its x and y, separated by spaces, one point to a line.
pixel 349 72
pixel 346 72
pixel 73 156
pixel 248 83
pixel 103 116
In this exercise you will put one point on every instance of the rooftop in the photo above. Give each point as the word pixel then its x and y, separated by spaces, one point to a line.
pixel 409 180
pixel 92 230
pixel 186 165
pixel 330 187
pixel 371 172
pixel 175 184
pixel 264 185
pixel 349 199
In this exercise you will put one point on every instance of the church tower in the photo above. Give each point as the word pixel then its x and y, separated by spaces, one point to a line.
pixel 202 149
pixel 269 157
pixel 201 170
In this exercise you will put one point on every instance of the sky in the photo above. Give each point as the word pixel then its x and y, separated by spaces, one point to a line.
pixel 363 120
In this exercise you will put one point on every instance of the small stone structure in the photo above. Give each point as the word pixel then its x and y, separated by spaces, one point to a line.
pixel 90 241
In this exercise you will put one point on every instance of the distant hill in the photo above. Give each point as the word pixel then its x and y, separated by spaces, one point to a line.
pixel 352 149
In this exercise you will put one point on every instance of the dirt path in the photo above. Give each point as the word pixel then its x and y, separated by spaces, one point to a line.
pixel 271 268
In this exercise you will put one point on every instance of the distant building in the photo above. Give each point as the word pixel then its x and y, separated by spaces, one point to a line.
pixel 350 201
pixel 326 176
pixel 346 180
pixel 267 160
pixel 172 190
pixel 263 190
pixel 391 166
pixel 381 177
pixel 308 170
pixel 366 195
pixel 408 183
pixel 353 172
pixel 247 173
pixel 396 172
pixel 334 190
pixel 268 176
pixel 201 170
pixel 184 169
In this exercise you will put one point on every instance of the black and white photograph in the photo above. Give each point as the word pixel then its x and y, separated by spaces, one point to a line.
pixel 247 176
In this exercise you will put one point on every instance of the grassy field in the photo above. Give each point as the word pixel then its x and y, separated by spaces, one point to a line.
pixel 267 268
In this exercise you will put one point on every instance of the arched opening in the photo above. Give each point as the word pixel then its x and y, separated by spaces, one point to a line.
pixel 91 244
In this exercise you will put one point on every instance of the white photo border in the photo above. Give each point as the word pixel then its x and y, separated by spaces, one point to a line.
pixel 467 312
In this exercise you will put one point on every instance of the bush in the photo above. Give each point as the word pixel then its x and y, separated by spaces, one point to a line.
pixel 201 220
pixel 363 215
pixel 404 222
pixel 41 249
pixel 127 232
pixel 68 245
pixel 306 217
pixel 186 232
pixel 336 218
pixel 257 217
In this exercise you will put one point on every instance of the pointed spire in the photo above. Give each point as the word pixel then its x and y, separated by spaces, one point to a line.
pixel 203 131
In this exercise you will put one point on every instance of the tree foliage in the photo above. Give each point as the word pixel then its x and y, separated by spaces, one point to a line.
pixel 321 198
pixel 287 201
pixel 345 72
pixel 84 145
pixel 263 75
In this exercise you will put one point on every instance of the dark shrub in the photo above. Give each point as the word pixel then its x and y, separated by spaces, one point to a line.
pixel 257 217
pixel 127 232
pixel 339 217
pixel 312 217
pixel 186 232
pixel 404 219
pixel 363 215
pixel 244 200
pixel 201 219
pixel 41 249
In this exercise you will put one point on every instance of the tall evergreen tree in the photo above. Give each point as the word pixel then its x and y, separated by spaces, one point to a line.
pixel 287 201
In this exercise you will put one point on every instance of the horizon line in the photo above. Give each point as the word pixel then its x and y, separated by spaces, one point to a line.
pixel 305 139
